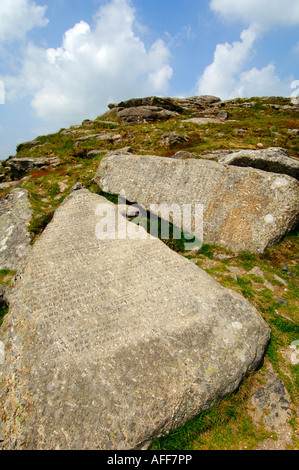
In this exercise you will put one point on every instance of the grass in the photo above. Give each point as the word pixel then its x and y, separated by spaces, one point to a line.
pixel 6 276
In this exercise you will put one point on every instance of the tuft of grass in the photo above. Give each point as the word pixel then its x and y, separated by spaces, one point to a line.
pixel 246 287
pixel 247 260
pixel 6 276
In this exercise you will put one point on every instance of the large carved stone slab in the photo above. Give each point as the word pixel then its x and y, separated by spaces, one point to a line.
pixel 109 343
pixel 15 215
pixel 244 209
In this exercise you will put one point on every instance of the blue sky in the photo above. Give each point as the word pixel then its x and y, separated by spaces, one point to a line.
pixel 62 61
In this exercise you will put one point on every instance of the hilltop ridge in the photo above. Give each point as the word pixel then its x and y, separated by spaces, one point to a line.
pixel 259 134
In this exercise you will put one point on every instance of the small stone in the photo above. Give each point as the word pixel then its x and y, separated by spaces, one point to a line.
pixel 293 132
pixel 241 131
pixel 294 358
pixel 77 186
pixel 62 187
pixel 269 285
pixel 2 352
pixel 234 270
pixel 181 155
pixel 279 279
pixel 286 269
pixel 257 272
pixel 222 256
pixel 129 211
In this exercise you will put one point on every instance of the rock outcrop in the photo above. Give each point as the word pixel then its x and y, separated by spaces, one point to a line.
pixel 244 209
pixel 15 215
pixel 273 159
pixel 19 167
pixel 154 108
pixel 124 341
pixel 166 103
pixel 144 114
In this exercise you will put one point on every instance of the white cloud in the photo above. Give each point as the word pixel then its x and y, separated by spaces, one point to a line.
pixel 226 76
pixel 221 77
pixel 264 82
pixel 264 12
pixel 17 17
pixel 92 67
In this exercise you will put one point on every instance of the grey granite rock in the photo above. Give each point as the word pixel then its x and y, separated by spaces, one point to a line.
pixel 109 343
pixel 244 209
pixel 144 114
pixel 171 139
pixel 272 402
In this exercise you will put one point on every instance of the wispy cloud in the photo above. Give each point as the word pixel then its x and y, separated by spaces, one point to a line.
pixel 17 17
pixel 263 12
pixel 93 65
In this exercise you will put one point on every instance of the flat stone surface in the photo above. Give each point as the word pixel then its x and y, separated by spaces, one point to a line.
pixel 244 209
pixel 19 167
pixel 202 121
pixel 15 215
pixel 109 343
